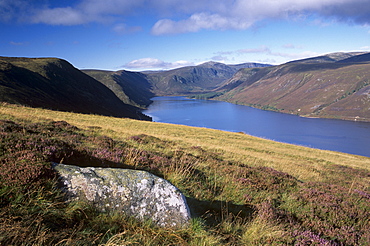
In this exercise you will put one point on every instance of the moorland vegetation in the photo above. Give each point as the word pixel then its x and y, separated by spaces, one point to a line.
pixel 242 190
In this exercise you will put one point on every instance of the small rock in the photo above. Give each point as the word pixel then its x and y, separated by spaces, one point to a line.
pixel 135 193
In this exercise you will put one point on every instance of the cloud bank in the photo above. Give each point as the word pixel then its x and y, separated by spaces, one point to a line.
pixel 182 16
pixel 153 63
pixel 242 14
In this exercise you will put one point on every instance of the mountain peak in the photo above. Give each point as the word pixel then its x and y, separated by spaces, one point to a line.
pixel 211 63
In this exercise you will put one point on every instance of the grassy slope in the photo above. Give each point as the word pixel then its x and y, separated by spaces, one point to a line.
pixel 304 163
pixel 308 196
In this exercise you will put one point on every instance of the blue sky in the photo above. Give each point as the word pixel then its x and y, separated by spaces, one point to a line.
pixel 163 34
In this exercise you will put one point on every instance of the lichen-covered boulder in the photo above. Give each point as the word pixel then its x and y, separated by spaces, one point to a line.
pixel 135 193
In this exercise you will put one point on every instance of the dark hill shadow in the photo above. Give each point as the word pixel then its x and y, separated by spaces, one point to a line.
pixel 213 212
pixel 85 159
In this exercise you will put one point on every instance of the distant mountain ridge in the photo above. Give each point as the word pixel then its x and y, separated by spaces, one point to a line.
pixel 136 88
pixel 194 79
pixel 335 85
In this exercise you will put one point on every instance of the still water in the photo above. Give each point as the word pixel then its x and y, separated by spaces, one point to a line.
pixel 338 135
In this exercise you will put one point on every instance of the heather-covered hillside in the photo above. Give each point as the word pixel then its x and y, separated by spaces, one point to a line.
pixel 241 190
pixel 321 87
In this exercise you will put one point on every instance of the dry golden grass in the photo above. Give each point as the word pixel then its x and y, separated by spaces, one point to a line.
pixel 304 163
pixel 237 199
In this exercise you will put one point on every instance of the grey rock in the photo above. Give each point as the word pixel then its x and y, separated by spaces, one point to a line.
pixel 135 193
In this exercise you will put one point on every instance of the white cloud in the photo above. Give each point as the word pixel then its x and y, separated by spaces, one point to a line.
pixel 353 11
pixel 295 56
pixel 267 52
pixel 289 46
pixel 242 14
pixel 18 43
pixel 153 63
pixel 85 12
pixel 13 9
pixel 60 16
pixel 180 16
pixel 145 63
pixel 197 22
pixel 219 58
pixel 292 46
pixel 262 49
pixel 122 28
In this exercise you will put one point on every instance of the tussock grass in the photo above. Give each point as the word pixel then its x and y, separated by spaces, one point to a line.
pixel 304 163
pixel 242 190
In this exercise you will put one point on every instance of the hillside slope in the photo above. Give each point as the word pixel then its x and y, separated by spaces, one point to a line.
pixel 242 190
pixel 194 79
pixel 131 87
pixel 55 84
pixel 321 87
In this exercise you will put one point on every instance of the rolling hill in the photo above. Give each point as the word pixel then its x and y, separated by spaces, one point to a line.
pixel 131 87
pixel 335 85
pixel 315 87
pixel 55 84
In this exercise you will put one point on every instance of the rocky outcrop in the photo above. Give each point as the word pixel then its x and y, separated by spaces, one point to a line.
pixel 135 193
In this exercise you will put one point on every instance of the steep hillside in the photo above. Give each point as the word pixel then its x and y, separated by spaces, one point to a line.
pixel 131 87
pixel 55 84
pixel 194 79
pixel 335 89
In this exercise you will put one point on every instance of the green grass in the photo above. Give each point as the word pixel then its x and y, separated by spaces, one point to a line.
pixel 242 190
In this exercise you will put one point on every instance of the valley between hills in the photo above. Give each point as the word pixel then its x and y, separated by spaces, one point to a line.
pixel 335 85
pixel 241 190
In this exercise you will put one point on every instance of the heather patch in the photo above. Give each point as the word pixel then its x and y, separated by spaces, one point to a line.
pixel 329 213
pixel 233 202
